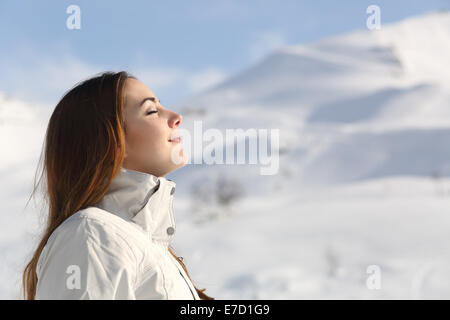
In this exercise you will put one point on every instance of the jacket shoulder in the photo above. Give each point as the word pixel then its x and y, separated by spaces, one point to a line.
pixel 98 225
pixel 88 243
pixel 98 220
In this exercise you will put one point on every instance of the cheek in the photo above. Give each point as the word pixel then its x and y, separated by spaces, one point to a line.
pixel 145 139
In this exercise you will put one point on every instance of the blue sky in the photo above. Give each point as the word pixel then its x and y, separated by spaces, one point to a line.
pixel 177 48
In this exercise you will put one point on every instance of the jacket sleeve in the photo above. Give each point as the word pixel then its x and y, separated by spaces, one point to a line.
pixel 86 259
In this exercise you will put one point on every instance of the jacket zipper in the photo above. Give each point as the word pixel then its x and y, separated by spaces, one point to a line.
pixel 177 264
pixel 188 285
pixel 179 267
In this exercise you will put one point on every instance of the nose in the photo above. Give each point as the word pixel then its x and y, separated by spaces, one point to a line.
pixel 176 120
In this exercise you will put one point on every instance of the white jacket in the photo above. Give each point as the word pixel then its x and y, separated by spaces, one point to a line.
pixel 117 249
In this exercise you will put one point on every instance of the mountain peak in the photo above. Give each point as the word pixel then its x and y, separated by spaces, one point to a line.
pixel 419 44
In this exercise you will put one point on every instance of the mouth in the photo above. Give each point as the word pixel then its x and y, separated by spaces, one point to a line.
pixel 175 140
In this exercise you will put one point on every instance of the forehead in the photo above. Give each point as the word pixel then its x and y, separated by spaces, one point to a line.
pixel 136 91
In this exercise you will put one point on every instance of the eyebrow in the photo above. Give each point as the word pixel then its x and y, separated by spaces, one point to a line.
pixel 153 99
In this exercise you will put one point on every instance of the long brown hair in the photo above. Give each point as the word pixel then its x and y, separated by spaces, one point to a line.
pixel 84 150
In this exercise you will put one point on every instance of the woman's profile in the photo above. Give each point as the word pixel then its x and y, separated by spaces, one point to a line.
pixel 108 146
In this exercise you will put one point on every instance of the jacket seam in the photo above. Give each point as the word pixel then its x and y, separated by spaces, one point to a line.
pixel 95 242
pixel 116 232
pixel 164 283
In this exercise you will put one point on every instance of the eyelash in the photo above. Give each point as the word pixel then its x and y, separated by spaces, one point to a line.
pixel 152 111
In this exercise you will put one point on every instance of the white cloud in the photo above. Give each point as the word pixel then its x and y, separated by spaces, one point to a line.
pixel 265 43
pixel 37 76
pixel 45 78
pixel 205 79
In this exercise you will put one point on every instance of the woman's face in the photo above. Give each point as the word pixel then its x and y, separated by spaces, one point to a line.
pixel 148 145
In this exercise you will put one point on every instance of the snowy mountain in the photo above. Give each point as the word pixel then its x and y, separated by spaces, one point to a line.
pixel 364 123
pixel 348 107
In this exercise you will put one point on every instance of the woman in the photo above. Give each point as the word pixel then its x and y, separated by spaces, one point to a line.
pixel 109 144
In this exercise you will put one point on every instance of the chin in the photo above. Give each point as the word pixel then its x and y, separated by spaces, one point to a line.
pixel 173 166
pixel 177 158
pixel 178 166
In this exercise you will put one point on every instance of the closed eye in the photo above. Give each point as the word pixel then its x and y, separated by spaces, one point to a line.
pixel 152 111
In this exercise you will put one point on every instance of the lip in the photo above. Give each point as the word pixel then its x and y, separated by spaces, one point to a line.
pixel 175 140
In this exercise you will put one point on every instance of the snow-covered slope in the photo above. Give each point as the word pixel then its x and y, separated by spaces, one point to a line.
pixel 399 55
pixel 364 123
pixel 345 98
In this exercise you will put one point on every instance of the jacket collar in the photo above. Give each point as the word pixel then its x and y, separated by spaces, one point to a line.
pixel 144 199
